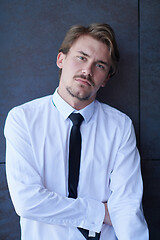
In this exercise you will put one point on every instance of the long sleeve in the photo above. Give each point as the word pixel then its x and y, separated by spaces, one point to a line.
pixel 37 148
pixel 126 185
pixel 30 197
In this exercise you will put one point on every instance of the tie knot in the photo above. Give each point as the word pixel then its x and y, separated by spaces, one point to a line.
pixel 76 118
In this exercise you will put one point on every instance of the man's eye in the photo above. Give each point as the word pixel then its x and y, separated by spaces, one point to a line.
pixel 100 66
pixel 81 58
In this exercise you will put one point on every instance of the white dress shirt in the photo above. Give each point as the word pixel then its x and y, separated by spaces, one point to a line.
pixel 37 149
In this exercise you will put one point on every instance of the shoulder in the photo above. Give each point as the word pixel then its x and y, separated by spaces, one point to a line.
pixel 33 105
pixel 111 114
pixel 115 122
pixel 29 111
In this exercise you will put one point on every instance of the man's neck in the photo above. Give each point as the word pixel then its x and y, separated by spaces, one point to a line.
pixel 74 102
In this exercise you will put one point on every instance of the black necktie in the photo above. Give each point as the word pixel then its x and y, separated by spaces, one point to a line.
pixel 74 154
pixel 74 163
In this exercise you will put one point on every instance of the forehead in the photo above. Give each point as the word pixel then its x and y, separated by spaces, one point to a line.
pixel 91 47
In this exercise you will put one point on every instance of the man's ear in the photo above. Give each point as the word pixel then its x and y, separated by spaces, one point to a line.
pixel 60 58
pixel 105 81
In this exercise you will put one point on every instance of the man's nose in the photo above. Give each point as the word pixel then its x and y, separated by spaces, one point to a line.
pixel 87 70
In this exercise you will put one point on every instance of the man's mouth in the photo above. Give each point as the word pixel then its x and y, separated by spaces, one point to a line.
pixel 84 80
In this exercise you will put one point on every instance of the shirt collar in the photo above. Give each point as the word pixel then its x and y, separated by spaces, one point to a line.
pixel 65 109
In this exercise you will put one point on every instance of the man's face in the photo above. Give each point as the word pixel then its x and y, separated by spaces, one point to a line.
pixel 85 68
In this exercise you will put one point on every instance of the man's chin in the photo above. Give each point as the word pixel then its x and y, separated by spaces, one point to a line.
pixel 80 95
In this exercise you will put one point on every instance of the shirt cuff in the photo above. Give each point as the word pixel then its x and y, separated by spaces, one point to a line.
pixel 94 216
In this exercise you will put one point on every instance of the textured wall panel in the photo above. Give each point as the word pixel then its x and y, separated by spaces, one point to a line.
pixel 150 78
pixel 151 197
pixel 31 33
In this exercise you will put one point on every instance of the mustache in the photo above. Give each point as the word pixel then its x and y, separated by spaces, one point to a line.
pixel 88 78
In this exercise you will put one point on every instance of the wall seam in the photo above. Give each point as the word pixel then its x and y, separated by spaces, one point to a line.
pixel 139 77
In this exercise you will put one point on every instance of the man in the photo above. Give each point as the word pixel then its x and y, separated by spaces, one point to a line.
pixel 108 193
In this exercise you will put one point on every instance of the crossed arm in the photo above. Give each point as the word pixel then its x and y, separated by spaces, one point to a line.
pixel 32 200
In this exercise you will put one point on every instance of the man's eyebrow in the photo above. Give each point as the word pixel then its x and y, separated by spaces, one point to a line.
pixel 102 62
pixel 83 53
pixel 98 61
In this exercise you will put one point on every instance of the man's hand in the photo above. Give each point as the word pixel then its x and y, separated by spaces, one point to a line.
pixel 107 219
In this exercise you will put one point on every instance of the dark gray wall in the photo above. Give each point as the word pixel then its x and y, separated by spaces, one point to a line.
pixel 149 105
pixel 30 35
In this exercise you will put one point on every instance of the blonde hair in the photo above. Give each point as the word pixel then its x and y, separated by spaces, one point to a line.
pixel 99 31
